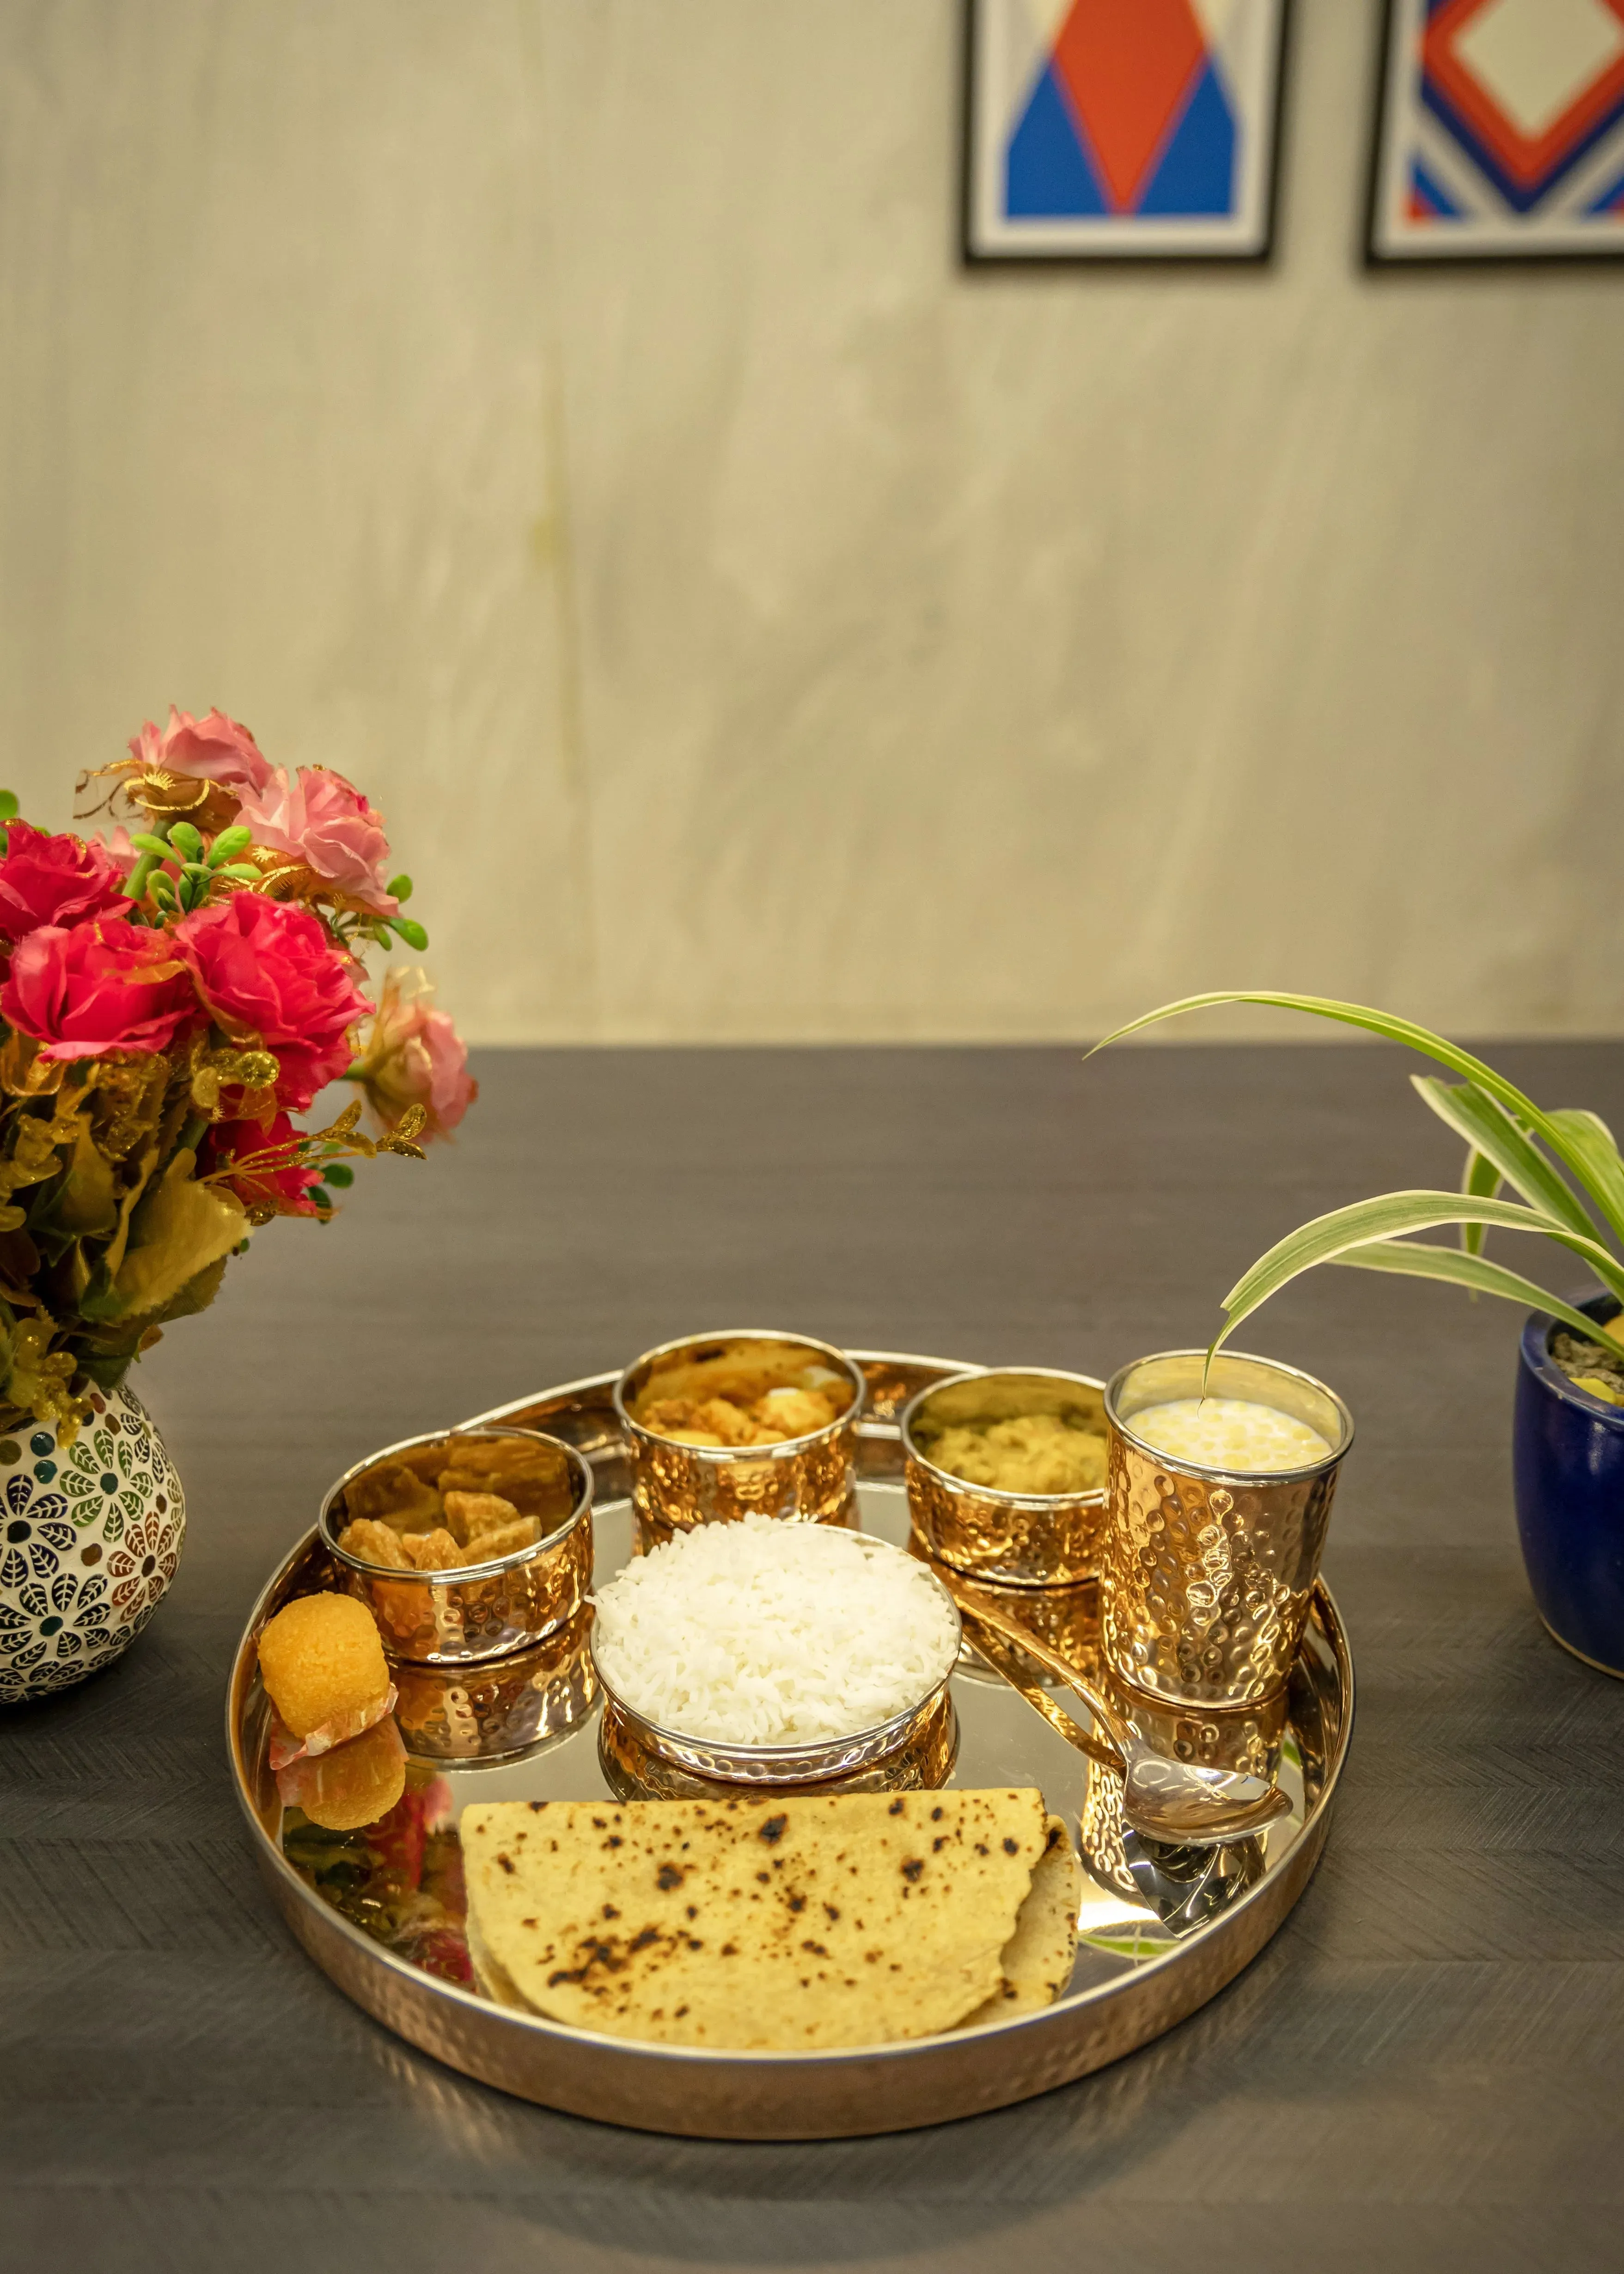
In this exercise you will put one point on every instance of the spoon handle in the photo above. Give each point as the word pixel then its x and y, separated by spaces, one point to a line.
pixel 972 1608
pixel 989 1648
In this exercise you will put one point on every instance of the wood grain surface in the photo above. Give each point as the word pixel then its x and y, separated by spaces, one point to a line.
pixel 1423 2070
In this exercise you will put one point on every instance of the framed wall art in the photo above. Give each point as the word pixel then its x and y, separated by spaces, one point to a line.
pixel 1499 133
pixel 1120 130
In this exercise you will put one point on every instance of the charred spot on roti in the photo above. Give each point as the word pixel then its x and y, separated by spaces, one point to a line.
pixel 899 1956
pixel 1012 1846
pixel 772 1830
pixel 505 1864
pixel 914 1865
pixel 668 1877
pixel 895 1808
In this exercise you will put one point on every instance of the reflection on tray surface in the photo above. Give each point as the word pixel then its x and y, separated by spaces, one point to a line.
pixel 400 1880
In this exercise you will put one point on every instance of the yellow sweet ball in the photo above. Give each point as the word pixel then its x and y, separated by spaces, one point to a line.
pixel 353 1785
pixel 321 1660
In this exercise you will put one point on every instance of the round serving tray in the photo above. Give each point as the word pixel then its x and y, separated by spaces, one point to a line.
pixel 1159 1934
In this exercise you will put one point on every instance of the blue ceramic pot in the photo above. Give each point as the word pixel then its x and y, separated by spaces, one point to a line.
pixel 1567 1453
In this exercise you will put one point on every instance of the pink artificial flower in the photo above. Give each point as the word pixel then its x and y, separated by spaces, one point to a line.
pixel 56 880
pixel 325 821
pixel 116 844
pixel 267 967
pixel 414 1056
pixel 211 748
pixel 284 1191
pixel 104 985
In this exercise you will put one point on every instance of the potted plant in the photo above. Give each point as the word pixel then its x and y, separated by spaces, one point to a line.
pixel 1564 1165
pixel 170 1000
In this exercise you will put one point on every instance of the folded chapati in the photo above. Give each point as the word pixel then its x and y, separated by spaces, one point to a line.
pixel 786 1924
pixel 1039 1956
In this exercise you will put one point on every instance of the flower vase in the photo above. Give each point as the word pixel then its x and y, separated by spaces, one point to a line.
pixel 90 1537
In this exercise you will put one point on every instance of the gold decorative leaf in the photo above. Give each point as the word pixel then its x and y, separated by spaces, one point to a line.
pixel 115 1255
pixel 181 1228
pixel 24 1073
pixel 253 1070
pixel 88 1207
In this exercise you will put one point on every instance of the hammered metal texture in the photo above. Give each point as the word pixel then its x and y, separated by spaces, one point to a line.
pixel 633 1771
pixel 1206 1585
pixel 1066 1618
pixel 450 1621
pixel 486 1712
pixel 676 1487
pixel 808 1479
pixel 745 2097
pixel 1044 1541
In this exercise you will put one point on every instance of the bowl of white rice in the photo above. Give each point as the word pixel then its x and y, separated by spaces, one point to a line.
pixel 765 1653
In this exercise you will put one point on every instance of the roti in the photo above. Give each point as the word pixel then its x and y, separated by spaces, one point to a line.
pixel 755 1923
pixel 1039 1956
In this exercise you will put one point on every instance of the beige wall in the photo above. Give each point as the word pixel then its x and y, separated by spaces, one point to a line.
pixel 567 416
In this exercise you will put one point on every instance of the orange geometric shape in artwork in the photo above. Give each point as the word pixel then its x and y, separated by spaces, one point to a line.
pixel 1128 70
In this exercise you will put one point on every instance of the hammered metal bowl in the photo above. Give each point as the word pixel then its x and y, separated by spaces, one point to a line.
pixel 786 1764
pixel 495 1708
pixel 1019 1540
pixel 482 1610
pixel 806 1479
pixel 923 1762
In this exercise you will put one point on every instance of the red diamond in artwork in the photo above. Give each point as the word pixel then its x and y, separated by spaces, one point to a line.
pixel 1496 94
pixel 1128 71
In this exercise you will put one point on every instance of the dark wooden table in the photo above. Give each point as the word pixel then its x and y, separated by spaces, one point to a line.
pixel 1424 2069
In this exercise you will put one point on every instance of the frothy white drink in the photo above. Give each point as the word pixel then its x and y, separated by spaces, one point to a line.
pixel 1230 1432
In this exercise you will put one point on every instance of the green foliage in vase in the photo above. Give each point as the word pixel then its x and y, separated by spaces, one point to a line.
pixel 1563 1164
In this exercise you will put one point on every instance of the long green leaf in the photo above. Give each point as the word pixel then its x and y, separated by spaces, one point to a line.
pixel 1475 1116
pixel 1446 1053
pixel 1425 1261
pixel 1387 1216
pixel 1480 1180
pixel 1595 1147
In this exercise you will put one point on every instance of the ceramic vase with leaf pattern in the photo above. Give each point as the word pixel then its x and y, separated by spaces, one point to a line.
pixel 90 1536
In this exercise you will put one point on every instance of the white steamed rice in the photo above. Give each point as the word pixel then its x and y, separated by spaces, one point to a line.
pixel 772 1633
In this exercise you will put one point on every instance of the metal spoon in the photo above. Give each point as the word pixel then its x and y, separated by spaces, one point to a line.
pixel 1177 1801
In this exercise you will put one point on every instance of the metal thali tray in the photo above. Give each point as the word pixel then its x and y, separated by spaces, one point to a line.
pixel 1159 1931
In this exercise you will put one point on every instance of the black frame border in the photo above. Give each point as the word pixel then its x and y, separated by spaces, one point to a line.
pixel 971 256
pixel 1499 257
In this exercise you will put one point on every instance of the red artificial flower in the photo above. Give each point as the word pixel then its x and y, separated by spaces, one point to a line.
pixel 54 880
pixel 104 985
pixel 284 1190
pixel 267 967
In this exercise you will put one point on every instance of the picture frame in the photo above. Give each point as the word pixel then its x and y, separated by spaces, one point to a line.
pixel 1499 133
pixel 1121 131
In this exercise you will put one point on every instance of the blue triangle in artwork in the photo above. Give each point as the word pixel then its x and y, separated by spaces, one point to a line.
pixel 1046 176
pixel 1196 172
